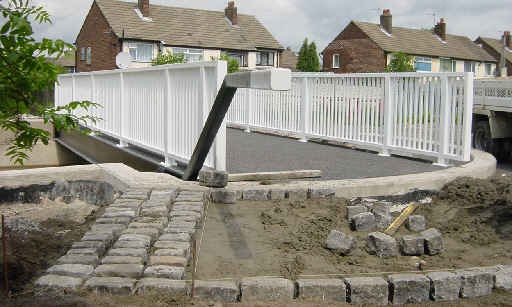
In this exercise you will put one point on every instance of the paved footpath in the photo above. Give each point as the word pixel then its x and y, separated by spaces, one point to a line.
pixel 143 240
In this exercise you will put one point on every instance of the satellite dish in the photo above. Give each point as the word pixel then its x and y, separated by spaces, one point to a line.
pixel 123 60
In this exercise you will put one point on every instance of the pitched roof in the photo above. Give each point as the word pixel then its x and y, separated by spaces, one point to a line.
pixel 67 60
pixel 496 45
pixel 289 60
pixel 178 26
pixel 424 42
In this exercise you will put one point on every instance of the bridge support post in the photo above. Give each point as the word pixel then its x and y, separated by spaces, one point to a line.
pixel 388 118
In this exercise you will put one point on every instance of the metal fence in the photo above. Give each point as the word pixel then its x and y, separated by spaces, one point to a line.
pixel 419 113
pixel 161 109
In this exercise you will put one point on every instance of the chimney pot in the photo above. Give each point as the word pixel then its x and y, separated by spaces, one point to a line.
pixel 386 21
pixel 440 29
pixel 144 7
pixel 231 12
pixel 507 39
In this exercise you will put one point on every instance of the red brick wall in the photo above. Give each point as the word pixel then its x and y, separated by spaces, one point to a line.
pixel 359 54
pixel 495 55
pixel 104 46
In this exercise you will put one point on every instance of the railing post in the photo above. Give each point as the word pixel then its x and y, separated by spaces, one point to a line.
pixel 93 98
pixel 388 117
pixel 248 110
pixel 122 142
pixel 444 122
pixel 168 161
pixel 305 110
pixel 468 115
pixel 220 139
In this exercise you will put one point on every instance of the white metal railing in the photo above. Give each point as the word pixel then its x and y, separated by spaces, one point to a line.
pixel 419 113
pixel 161 109
pixel 495 95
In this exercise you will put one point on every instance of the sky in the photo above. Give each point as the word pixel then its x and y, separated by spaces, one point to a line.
pixel 290 21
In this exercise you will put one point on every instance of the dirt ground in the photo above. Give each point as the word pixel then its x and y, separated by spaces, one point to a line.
pixel 287 237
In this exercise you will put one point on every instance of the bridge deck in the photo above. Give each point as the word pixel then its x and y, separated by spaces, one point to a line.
pixel 256 152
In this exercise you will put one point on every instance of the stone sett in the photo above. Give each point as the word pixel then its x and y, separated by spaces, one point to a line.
pixel 116 285
pixel 119 270
pixel 120 213
pixel 83 251
pixel 147 225
pixel 114 220
pixel 503 278
pixel 340 242
pixel 171 287
pixel 363 222
pixel 475 283
pixel 416 223
pixel 168 260
pixel 355 210
pixel 179 252
pixel 190 231
pixel 107 238
pixel 297 194
pixel 444 286
pixel 133 252
pixel 367 290
pixel 412 245
pixel 190 208
pixel 381 245
pixel 164 271
pixel 409 288
pixel 155 211
pixel 176 213
pixel 223 291
pixel 266 289
pixel 180 237
pixel 79 259
pixel 277 194
pixel 73 270
pixel 433 241
pixel 324 289
pixel 57 281
pixel 171 244
pixel 98 245
pixel 136 237
pixel 122 260
pixel 153 233
pixel 255 195
pixel 131 244
pixel 383 217
pixel 214 179
pixel 115 229
pixel 223 196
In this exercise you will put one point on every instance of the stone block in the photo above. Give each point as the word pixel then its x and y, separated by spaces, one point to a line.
pixel 176 213
pixel 171 244
pixel 276 194
pixel 180 237
pixel 255 195
pixel 125 213
pixel 381 245
pixel 475 283
pixel 433 241
pixel 383 216
pixel 155 211
pixel 107 238
pixel 73 270
pixel 131 244
pixel 323 289
pixel 126 206
pixel 444 286
pixel 179 252
pixel 175 288
pixel 116 285
pixel 155 225
pixel 114 220
pixel 122 260
pixel 412 245
pixel 367 290
pixel 119 270
pixel 115 229
pixel 256 289
pixel 190 208
pixel 503 279
pixel 132 252
pixel 190 198
pixel 416 223
pixel 153 233
pixel 223 196
pixel 213 179
pixel 297 194
pixel 222 291
pixel 79 259
pixel 316 192
pixel 363 222
pixel 57 281
pixel 98 245
pixel 190 231
pixel 355 210
pixel 195 220
pixel 409 288
pixel 136 237
pixel 168 260
pixel 83 251
pixel 340 242
pixel 164 271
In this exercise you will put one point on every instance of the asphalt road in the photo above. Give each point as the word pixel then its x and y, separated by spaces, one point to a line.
pixel 256 152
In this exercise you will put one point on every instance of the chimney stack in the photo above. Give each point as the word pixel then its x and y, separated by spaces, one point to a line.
pixel 231 12
pixel 507 39
pixel 144 7
pixel 440 29
pixel 386 21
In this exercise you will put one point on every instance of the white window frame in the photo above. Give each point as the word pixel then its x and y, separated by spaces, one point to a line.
pixel 190 54
pixel 422 59
pixel 134 46
pixel 82 54
pixel 270 55
pixel 488 73
pixel 335 57
pixel 453 65
pixel 472 67
pixel 89 55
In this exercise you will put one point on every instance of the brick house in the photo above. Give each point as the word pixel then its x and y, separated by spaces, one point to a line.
pixel 369 47
pixel 497 48
pixel 143 29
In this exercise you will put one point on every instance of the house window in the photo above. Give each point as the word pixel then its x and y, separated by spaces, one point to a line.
pixel 469 66
pixel 335 61
pixel 189 54
pixel 240 57
pixel 448 65
pixel 422 63
pixel 82 54
pixel 488 69
pixel 88 56
pixel 141 52
pixel 265 59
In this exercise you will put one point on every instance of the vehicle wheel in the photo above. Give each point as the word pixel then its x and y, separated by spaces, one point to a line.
pixel 482 140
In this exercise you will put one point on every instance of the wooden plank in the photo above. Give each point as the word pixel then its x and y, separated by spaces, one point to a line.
pixel 300 174
pixel 401 219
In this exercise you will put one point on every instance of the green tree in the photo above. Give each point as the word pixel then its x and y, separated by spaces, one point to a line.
pixel 308 57
pixel 314 63
pixel 167 58
pixel 401 62
pixel 24 73
pixel 302 63
pixel 233 65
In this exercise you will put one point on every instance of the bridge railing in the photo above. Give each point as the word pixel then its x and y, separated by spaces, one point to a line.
pixel 403 113
pixel 161 109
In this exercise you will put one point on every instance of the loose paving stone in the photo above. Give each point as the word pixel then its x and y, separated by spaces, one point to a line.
pixel 367 290
pixel 444 286
pixel 180 237
pixel 57 281
pixel 256 195
pixel 381 245
pixel 223 291
pixel 180 252
pixel 107 238
pixel 416 223
pixel 135 237
pixel 297 194
pixel 153 233
pixel 171 287
pixel 155 211
pixel 340 242
pixel 409 288
pixel 363 222
pixel 223 196
pixel 119 270
pixel 79 259
pixel 164 271
pixel 131 244
pixel 383 216
pixel 274 194
pixel 475 283
pixel 314 192
pixel 266 289
pixel 116 285
pixel 98 245
pixel 172 244
pixel 73 270
pixel 355 210
pixel 168 260
pixel 119 214
pixel 214 179
pixel 412 245
pixel 133 252
pixel 114 220
pixel 83 251
pixel 433 241
pixel 324 289
pixel 122 259
pixel 116 229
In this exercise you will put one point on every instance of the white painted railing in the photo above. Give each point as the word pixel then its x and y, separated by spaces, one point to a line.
pixel 413 113
pixel 161 109
pixel 495 95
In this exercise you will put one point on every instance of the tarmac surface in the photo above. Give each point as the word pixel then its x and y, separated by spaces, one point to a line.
pixel 257 152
